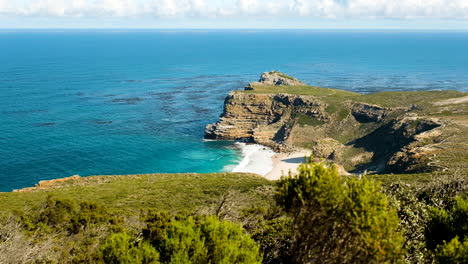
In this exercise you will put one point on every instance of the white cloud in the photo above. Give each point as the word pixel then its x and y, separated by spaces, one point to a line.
pixel 248 6
pixel 362 9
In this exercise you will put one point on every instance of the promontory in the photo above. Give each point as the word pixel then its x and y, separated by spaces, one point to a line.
pixel 384 132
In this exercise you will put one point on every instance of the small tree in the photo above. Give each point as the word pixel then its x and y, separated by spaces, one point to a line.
pixel 452 252
pixel 447 232
pixel 338 220
pixel 120 248
pixel 200 240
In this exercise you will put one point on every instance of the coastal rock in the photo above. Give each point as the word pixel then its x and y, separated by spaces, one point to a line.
pixel 262 118
pixel 367 113
pixel 49 184
pixel 242 114
pixel 360 132
pixel 395 144
pixel 274 78
pixel 420 155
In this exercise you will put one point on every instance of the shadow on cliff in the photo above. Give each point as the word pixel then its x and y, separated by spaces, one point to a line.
pixel 386 141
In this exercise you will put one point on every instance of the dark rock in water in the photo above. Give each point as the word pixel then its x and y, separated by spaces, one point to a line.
pixel 200 110
pixel 101 121
pixel 132 100
pixel 46 124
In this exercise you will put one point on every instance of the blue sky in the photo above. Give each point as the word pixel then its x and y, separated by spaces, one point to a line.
pixel 308 14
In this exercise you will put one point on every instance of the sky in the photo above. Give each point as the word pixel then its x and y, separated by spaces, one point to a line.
pixel 238 14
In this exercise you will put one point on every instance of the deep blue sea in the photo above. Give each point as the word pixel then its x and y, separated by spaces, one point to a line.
pixel 126 102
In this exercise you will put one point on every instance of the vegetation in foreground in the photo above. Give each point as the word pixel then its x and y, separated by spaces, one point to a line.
pixel 316 216
pixel 130 194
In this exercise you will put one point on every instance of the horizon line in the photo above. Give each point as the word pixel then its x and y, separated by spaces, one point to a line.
pixel 229 29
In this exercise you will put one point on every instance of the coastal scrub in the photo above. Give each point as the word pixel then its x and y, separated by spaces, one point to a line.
pixel 339 220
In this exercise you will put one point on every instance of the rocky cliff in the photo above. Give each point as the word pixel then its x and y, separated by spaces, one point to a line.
pixel 274 78
pixel 399 132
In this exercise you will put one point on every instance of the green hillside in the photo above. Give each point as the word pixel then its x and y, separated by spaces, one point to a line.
pixel 132 193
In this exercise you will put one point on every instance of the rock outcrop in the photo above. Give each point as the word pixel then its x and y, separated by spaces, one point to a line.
pixel 50 184
pixel 348 128
pixel 403 145
pixel 274 78
pixel 263 118
pixel 365 113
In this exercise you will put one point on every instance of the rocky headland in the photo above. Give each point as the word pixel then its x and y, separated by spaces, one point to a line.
pixel 385 132
pixel 274 78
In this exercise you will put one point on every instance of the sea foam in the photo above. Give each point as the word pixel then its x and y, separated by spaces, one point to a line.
pixel 255 159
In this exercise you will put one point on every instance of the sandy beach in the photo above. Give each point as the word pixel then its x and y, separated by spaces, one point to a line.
pixel 263 161
pixel 285 162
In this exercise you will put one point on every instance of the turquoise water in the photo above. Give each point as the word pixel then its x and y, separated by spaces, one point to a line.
pixel 120 102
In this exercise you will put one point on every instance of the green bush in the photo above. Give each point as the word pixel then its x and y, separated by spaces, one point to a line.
pixel 87 232
pixel 453 252
pixel 90 213
pixel 183 243
pixel 119 248
pixel 57 212
pixel 66 215
pixel 274 237
pixel 227 242
pixel 338 220
pixel 200 240
pixel 74 230
pixel 414 215
pixel 445 225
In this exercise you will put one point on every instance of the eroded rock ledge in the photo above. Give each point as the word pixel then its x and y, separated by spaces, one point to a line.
pixel 274 78
pixel 384 132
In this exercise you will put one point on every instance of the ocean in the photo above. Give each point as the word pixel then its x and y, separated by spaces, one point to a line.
pixel 93 102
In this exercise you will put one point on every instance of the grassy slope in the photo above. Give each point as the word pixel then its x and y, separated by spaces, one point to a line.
pixel 298 89
pixel 131 193
pixel 385 99
pixel 456 138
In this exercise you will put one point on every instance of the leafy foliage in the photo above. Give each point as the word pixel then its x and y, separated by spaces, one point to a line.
pixel 338 221
pixel 414 215
pixel 89 233
pixel 272 229
pixel 421 199
pixel 66 214
pixel 200 240
pixel 449 224
pixel 453 252
pixel 319 217
pixel 119 248
pixel 275 237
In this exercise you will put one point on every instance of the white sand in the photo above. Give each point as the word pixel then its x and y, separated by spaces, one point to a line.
pixel 265 162
pixel 255 159
pixel 285 162
pixel 458 100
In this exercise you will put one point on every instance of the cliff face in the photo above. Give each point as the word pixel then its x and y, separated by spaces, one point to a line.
pixel 362 132
pixel 274 78
pixel 263 118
